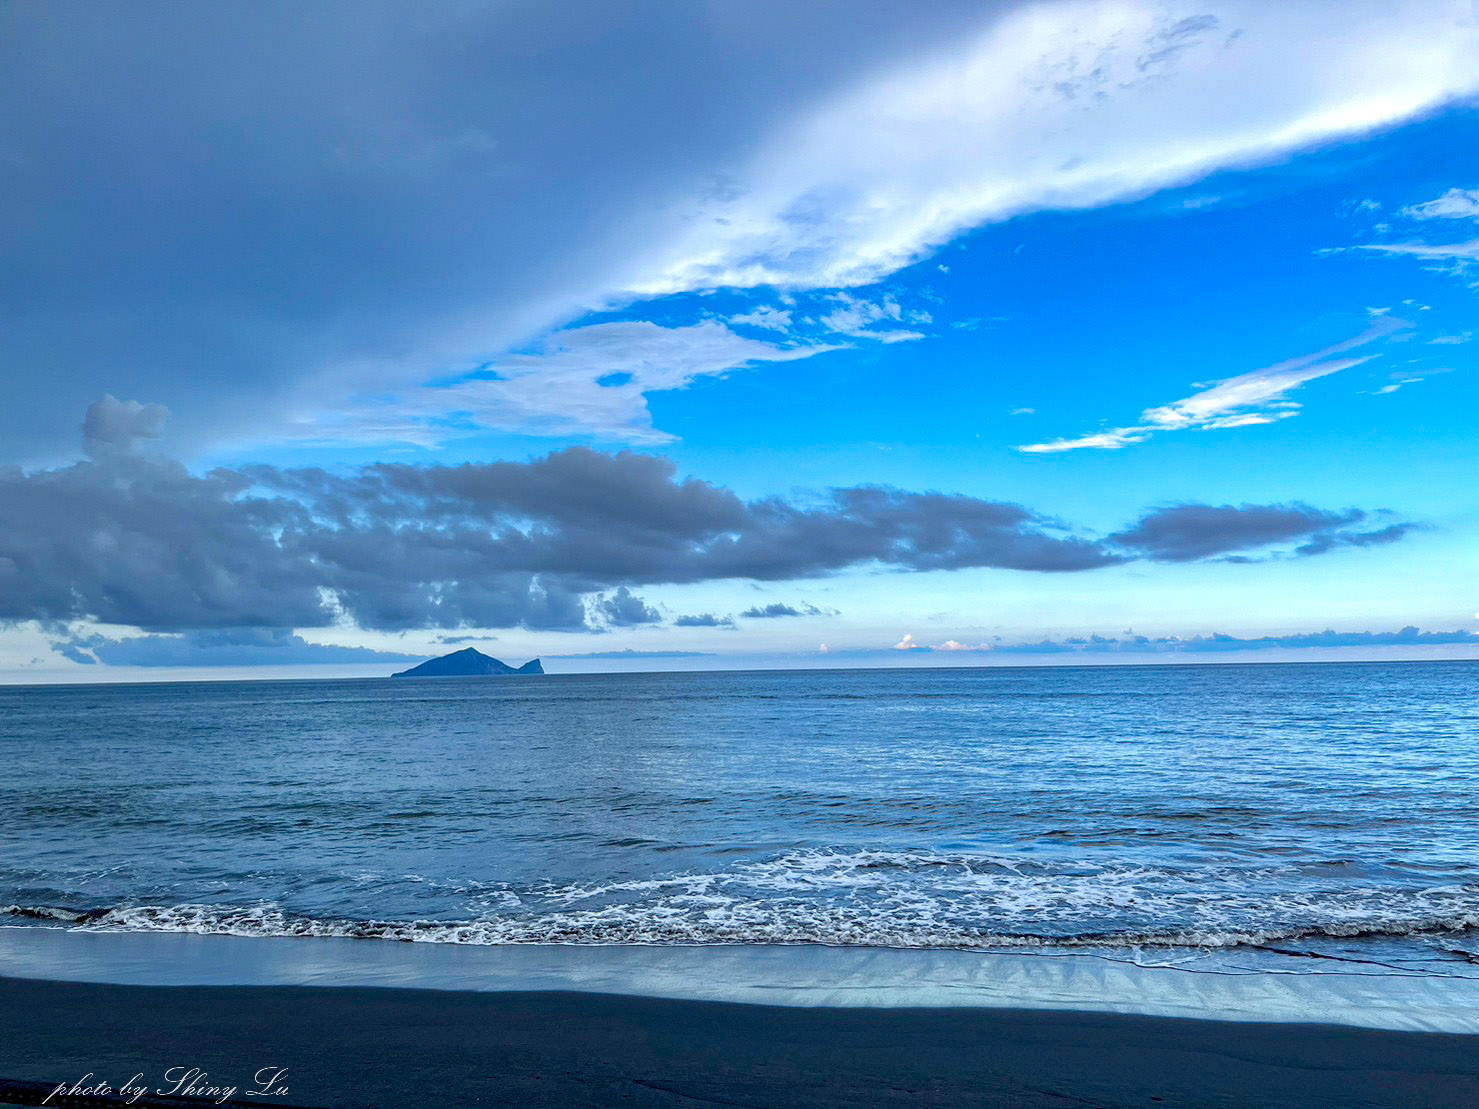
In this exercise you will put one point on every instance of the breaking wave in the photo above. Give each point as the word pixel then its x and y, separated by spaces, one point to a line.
pixel 872 899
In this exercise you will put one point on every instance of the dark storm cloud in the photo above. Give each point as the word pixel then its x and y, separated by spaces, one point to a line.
pixel 1187 532
pixel 112 424
pixel 226 647
pixel 779 609
pixel 1329 540
pixel 704 620
pixel 624 609
pixel 129 540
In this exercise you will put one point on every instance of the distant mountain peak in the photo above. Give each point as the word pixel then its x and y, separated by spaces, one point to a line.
pixel 468 663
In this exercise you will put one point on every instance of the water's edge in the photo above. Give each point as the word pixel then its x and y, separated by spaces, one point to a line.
pixel 1229 985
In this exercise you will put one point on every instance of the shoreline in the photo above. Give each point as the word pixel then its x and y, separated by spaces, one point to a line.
pixel 1234 984
pixel 394 1047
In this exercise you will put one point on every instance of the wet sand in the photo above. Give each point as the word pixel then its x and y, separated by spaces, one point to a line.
pixel 404 1047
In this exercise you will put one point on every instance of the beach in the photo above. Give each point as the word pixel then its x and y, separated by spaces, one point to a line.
pixel 353 1023
pixel 382 1047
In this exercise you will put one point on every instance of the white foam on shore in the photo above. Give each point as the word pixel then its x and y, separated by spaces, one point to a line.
pixel 875 898
pixel 1245 986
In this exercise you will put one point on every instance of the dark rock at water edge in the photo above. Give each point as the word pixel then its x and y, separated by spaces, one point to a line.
pixel 468 663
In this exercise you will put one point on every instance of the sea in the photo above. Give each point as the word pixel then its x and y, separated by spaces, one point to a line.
pixel 1326 814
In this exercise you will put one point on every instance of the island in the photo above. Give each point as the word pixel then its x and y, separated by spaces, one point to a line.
pixel 468 663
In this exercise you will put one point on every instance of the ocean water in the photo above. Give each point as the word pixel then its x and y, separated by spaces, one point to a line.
pixel 1324 810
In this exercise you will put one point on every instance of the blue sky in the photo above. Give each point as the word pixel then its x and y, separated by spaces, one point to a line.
pixel 1190 290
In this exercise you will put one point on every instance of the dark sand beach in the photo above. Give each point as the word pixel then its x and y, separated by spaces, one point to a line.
pixel 400 1047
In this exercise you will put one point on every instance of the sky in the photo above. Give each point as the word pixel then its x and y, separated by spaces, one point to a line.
pixel 672 336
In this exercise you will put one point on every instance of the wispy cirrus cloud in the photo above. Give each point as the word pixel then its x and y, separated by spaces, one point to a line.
pixel 1258 397
pixel 587 381
pixel 882 319
pixel 1462 252
pixel 1058 106
pixel 1455 258
pixel 1454 204
pixel 765 316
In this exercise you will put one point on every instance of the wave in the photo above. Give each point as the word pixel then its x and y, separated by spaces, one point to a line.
pixel 859 898
pixel 269 921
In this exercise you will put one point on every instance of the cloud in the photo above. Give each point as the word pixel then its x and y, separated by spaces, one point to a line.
pixel 1454 204
pixel 220 647
pixel 858 317
pixel 298 215
pixel 1406 637
pixel 630 653
pixel 1453 258
pixel 1215 643
pixel 1185 533
pixel 704 620
pixel 261 219
pixel 1069 105
pixel 1460 252
pixel 115 425
pixel 779 609
pixel 1258 397
pixel 139 541
pixel 771 319
pixel 590 380
pixel 624 609
pixel 1100 440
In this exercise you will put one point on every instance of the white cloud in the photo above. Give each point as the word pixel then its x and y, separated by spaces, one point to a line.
pixel 771 319
pixel 1060 105
pixel 1455 259
pixel 857 317
pixel 589 380
pixel 1454 204
pixel 1259 397
pixel 908 644
pixel 1464 252
pixel 1111 440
